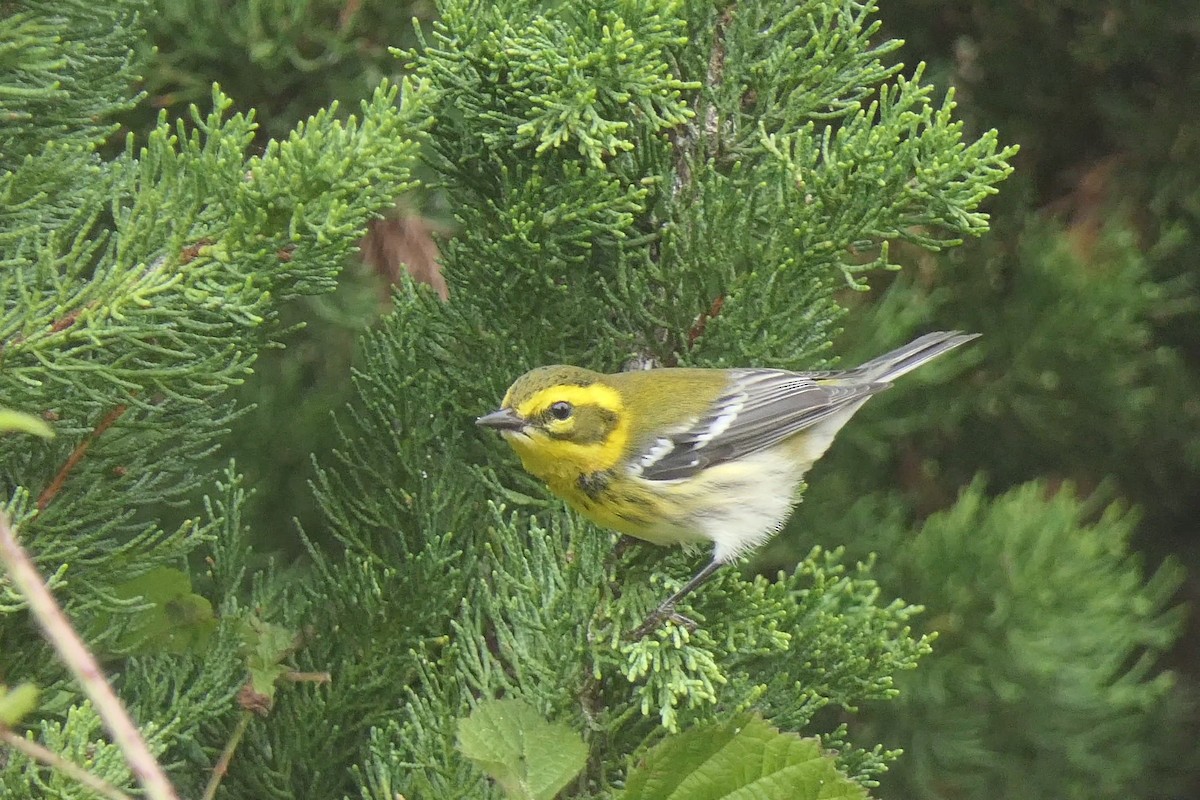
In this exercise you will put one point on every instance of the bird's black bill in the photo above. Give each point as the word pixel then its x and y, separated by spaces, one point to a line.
pixel 503 420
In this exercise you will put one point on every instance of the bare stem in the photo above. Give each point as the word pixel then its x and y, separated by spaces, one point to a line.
pixel 307 677
pixel 83 666
pixel 222 765
pixel 53 760
pixel 50 492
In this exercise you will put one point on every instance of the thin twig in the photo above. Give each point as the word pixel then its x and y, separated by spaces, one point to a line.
pixel 716 70
pixel 53 760
pixel 702 321
pixel 683 140
pixel 83 666
pixel 307 677
pixel 222 766
pixel 51 491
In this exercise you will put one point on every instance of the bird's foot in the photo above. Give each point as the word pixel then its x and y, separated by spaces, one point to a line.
pixel 657 617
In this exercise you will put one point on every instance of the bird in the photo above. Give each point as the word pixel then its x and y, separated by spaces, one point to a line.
pixel 690 456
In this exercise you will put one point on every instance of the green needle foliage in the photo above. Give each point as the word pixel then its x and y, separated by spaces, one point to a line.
pixel 1010 600
pixel 633 183
pixel 283 58
pixel 137 290
pixel 680 216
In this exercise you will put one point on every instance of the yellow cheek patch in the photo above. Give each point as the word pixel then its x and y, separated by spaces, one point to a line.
pixel 589 457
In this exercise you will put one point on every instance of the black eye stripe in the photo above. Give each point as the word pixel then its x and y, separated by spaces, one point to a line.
pixel 585 424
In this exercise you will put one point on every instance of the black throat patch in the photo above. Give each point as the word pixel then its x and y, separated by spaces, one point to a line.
pixel 594 484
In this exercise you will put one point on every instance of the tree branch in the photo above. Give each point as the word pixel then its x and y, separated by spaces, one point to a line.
pixel 51 491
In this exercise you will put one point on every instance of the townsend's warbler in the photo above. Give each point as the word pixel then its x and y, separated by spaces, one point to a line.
pixel 685 456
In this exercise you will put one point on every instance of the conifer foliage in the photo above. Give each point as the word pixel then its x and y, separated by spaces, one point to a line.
pixel 654 183
pixel 137 290
pixel 667 182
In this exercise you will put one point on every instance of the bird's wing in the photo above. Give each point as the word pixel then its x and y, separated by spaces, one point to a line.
pixel 759 409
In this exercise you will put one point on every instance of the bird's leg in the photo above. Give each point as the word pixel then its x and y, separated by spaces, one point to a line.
pixel 666 609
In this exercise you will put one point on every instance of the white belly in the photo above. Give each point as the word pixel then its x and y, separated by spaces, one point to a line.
pixel 739 505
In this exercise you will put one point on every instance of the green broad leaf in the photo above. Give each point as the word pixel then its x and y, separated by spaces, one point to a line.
pixel 24 423
pixel 17 703
pixel 744 759
pixel 265 647
pixel 530 758
pixel 177 621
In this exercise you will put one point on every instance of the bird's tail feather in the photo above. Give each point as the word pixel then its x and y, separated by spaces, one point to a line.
pixel 904 359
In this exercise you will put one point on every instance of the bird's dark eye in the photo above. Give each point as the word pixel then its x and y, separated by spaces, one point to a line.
pixel 561 410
